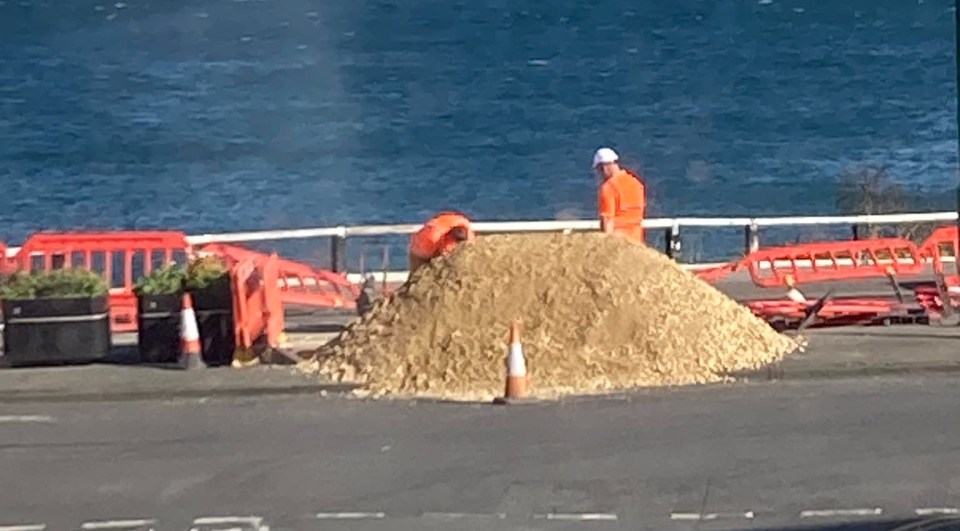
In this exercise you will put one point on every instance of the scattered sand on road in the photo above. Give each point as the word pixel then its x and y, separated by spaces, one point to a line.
pixel 599 314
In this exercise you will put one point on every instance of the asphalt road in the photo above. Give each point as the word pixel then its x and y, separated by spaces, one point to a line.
pixel 748 455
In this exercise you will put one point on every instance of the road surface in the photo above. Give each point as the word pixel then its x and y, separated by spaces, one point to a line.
pixel 764 454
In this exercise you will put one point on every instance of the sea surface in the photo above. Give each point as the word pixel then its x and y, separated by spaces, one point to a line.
pixel 229 115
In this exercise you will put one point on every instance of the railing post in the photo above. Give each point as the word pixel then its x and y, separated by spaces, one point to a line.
pixel 671 243
pixel 338 253
pixel 751 237
pixel 386 268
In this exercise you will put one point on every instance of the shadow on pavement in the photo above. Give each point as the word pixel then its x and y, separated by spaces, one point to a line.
pixel 128 355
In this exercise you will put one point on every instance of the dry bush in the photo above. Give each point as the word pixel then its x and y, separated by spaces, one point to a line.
pixel 870 190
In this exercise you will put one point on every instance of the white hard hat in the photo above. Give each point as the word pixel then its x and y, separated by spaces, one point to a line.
pixel 604 156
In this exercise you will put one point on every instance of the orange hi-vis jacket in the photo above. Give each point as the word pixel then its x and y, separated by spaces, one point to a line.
pixel 434 239
pixel 623 204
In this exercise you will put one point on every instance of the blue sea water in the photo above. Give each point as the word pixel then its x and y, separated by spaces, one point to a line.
pixel 225 115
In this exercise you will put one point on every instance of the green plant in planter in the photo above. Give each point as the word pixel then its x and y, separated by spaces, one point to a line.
pixel 168 280
pixel 206 272
pixel 56 284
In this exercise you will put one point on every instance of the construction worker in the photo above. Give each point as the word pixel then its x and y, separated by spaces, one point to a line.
pixel 622 196
pixel 437 237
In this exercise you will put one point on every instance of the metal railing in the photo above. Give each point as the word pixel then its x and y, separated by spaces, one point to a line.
pixel 671 228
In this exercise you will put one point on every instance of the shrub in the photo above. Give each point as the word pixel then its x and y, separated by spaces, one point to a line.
pixel 56 284
pixel 870 190
pixel 163 281
pixel 204 272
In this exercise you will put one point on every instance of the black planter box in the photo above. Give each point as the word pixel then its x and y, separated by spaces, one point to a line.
pixel 44 331
pixel 214 308
pixel 158 327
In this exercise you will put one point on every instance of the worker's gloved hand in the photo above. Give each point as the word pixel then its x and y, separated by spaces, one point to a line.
pixel 368 294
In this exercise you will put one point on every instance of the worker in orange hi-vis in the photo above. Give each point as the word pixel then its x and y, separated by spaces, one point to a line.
pixel 623 201
pixel 437 237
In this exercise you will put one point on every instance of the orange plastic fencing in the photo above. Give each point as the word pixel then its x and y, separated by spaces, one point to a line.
pixel 715 274
pixel 941 242
pixel 5 263
pixel 826 261
pixel 257 307
pixel 299 283
pixel 834 313
pixel 123 257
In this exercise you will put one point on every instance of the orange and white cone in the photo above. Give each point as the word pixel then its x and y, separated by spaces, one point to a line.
pixel 517 381
pixel 793 293
pixel 190 350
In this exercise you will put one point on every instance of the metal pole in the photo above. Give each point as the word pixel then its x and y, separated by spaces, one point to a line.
pixel 671 242
pixel 751 236
pixel 338 254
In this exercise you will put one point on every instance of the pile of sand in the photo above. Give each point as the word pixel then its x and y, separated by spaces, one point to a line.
pixel 599 314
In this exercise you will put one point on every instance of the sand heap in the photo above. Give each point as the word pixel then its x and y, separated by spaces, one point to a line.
pixel 599 314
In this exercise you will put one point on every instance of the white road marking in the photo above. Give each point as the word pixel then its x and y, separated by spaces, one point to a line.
pixel 463 516
pixel 250 523
pixel 25 418
pixel 23 527
pixel 711 516
pixel 117 524
pixel 580 517
pixel 207 520
pixel 815 513
pixel 928 511
pixel 350 516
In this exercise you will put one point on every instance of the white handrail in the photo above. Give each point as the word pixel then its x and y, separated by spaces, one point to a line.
pixel 576 224
pixel 567 225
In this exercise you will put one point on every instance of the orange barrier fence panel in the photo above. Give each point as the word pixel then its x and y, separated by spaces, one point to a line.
pixel 273 303
pixel 122 257
pixel 941 243
pixel 5 263
pixel 247 287
pixel 299 283
pixel 834 313
pixel 257 307
pixel 826 261
pixel 715 274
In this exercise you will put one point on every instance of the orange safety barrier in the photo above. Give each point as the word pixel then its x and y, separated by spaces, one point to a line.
pixel 929 298
pixel 257 307
pixel 825 261
pixel 834 312
pixel 299 283
pixel 715 274
pixel 5 263
pixel 123 257
pixel 940 240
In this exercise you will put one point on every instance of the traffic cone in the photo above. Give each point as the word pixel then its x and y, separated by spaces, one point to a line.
pixel 517 380
pixel 793 293
pixel 190 350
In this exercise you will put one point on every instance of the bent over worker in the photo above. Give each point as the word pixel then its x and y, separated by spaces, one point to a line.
pixel 437 237
pixel 622 196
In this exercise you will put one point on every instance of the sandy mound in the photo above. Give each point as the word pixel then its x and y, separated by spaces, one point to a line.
pixel 599 314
